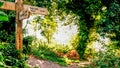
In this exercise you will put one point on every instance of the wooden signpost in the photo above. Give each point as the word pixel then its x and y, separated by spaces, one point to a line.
pixel 22 12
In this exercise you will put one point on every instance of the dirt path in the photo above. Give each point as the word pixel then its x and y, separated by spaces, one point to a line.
pixel 35 62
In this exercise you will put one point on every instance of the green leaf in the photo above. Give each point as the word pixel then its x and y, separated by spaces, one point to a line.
pixel 1 3
pixel 1 57
pixel 3 16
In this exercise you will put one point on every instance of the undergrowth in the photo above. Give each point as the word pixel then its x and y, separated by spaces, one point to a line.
pixel 106 59
pixel 46 54
pixel 9 57
pixel 44 51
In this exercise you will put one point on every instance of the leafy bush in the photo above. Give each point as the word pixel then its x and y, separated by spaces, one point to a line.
pixel 27 41
pixel 10 50
pixel 21 63
pixel 106 60
pixel 61 48
pixel 3 16
pixel 9 56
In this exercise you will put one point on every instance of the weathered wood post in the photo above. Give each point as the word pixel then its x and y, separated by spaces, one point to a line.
pixel 18 9
pixel 22 12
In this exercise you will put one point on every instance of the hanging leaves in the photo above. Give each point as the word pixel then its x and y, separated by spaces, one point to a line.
pixel 3 16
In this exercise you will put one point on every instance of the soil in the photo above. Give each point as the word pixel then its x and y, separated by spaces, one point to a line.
pixel 39 63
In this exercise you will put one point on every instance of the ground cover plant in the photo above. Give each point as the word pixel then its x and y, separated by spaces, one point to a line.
pixel 9 56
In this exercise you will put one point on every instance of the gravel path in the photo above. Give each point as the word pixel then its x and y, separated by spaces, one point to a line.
pixel 35 62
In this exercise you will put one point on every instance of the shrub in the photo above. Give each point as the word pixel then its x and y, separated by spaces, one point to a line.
pixel 106 60
pixel 26 44
pixel 9 56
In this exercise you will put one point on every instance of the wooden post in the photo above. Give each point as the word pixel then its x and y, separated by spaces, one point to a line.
pixel 22 12
pixel 18 8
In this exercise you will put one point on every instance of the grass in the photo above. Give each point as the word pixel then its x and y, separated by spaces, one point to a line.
pixel 51 56
pixel 45 52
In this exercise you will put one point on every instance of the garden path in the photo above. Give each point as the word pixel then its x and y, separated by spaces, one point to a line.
pixel 39 63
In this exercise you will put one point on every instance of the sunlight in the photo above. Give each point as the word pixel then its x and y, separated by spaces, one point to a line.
pixel 62 36
pixel 99 45
pixel 65 33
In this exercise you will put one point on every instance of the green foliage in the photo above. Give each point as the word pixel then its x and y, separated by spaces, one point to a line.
pixel 7 34
pixel 3 16
pixel 44 52
pixel 61 48
pixel 48 52
pixel 2 55
pixel 8 51
pixel 110 22
pixel 103 15
pixel 27 41
pixel 1 4
pixel 47 25
pixel 106 60
pixel 74 41
pixel 21 63
pixel 1 60
pixel 9 56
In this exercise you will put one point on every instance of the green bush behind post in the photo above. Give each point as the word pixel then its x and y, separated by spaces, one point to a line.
pixel 3 16
pixel 27 41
